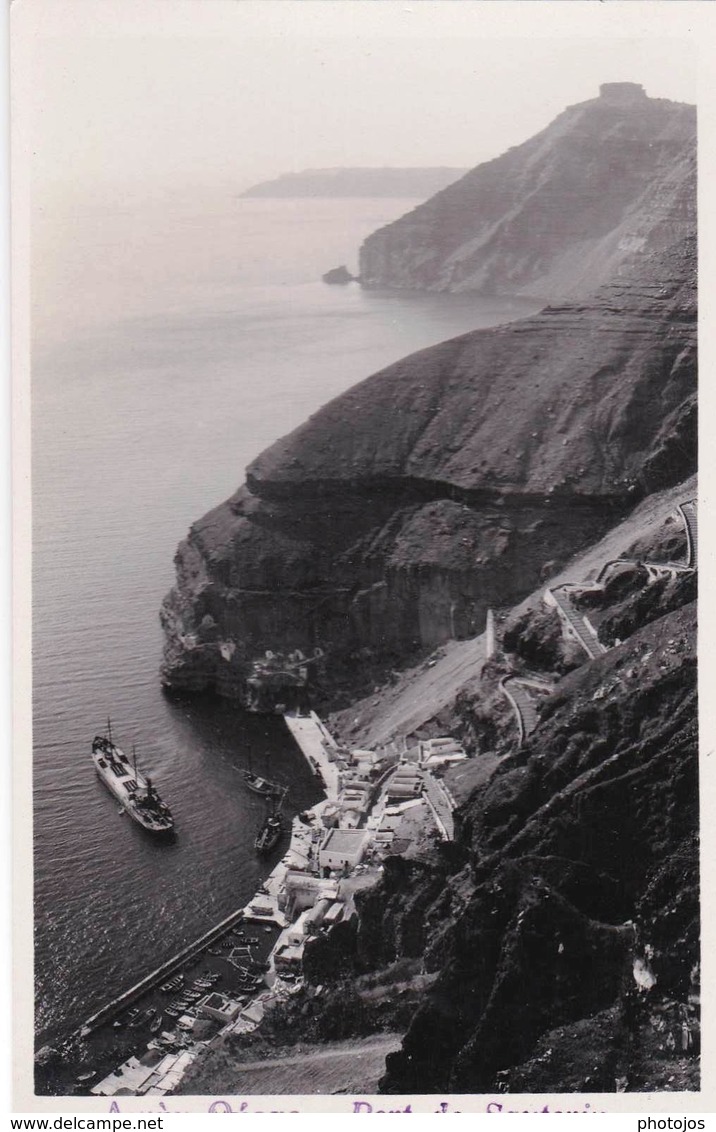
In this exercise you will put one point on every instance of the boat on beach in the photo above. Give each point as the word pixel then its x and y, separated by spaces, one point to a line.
pixel 137 795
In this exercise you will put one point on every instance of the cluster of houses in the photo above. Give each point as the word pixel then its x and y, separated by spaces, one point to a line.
pixel 338 846
pixel 374 803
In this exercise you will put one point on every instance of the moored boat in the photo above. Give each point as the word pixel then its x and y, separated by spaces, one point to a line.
pixel 136 794
pixel 262 786
pixel 269 835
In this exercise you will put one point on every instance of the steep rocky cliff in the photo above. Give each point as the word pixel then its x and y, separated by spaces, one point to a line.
pixel 555 216
pixel 554 945
pixel 446 483
pixel 582 875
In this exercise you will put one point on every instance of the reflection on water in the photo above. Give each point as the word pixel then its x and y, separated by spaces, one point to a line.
pixel 171 345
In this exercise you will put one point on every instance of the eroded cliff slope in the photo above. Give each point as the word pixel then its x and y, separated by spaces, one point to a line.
pixel 554 945
pixel 446 483
pixel 555 216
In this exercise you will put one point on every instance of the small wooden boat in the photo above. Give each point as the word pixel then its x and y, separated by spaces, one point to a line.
pixel 271 830
pixel 156 1022
pixel 142 1019
pixel 269 835
pixel 262 786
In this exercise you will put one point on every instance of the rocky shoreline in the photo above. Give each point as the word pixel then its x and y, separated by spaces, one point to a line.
pixel 551 942
pixel 388 524
pixel 534 881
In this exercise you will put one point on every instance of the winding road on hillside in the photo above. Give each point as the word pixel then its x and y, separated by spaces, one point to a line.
pixel 353 1066
pixel 517 691
pixel 424 691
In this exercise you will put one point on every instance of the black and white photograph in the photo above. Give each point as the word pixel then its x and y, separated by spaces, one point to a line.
pixel 361 758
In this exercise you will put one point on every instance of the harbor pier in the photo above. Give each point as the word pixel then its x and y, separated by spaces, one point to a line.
pixel 374 803
pixel 319 748
pixel 164 972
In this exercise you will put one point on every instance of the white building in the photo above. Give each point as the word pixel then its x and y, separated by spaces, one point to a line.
pixel 216 1005
pixel 289 956
pixel 406 782
pixel 342 847
pixel 438 752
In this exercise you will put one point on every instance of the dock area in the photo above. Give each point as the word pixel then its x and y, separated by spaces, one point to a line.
pixel 166 970
pixel 319 748
pixel 375 803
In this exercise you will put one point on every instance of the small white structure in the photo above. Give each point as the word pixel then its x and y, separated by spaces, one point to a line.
pixel 406 782
pixel 342 847
pixel 305 890
pixel 334 914
pixel 437 752
pixel 289 957
pixel 260 909
pixel 128 1078
pixel 219 1006
pixel 199 1028
pixel 490 634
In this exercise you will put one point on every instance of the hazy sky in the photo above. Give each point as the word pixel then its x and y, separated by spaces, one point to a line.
pixel 181 92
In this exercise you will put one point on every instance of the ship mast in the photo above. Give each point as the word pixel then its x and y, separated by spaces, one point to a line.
pixel 109 729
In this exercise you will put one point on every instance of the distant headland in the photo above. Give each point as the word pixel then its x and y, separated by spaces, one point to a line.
pixel 366 182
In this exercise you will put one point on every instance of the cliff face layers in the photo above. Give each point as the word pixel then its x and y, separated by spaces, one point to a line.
pixel 445 483
pixel 458 479
pixel 553 946
pixel 556 215
pixel 582 875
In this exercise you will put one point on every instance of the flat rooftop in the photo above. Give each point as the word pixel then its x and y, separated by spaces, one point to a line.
pixel 344 839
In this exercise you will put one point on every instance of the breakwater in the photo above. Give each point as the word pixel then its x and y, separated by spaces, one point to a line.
pixel 164 972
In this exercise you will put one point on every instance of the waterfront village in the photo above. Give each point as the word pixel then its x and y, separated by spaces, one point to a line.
pixel 389 801
pixel 375 803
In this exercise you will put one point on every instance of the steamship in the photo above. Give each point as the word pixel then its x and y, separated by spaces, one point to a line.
pixel 136 795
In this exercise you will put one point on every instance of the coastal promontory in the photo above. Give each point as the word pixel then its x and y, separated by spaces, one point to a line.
pixel 553 217
pixel 447 483
pixel 544 471
pixel 359 182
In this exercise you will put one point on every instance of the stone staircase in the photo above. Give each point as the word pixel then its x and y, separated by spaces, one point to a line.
pixel 516 690
pixel 690 516
pixel 577 627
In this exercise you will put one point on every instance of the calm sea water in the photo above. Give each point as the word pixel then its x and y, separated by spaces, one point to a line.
pixel 172 341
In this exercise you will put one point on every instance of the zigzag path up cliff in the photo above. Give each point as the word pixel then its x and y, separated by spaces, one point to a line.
pixel 565 942
pixel 554 945
pixel 448 482
pixel 583 200
pixel 419 695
